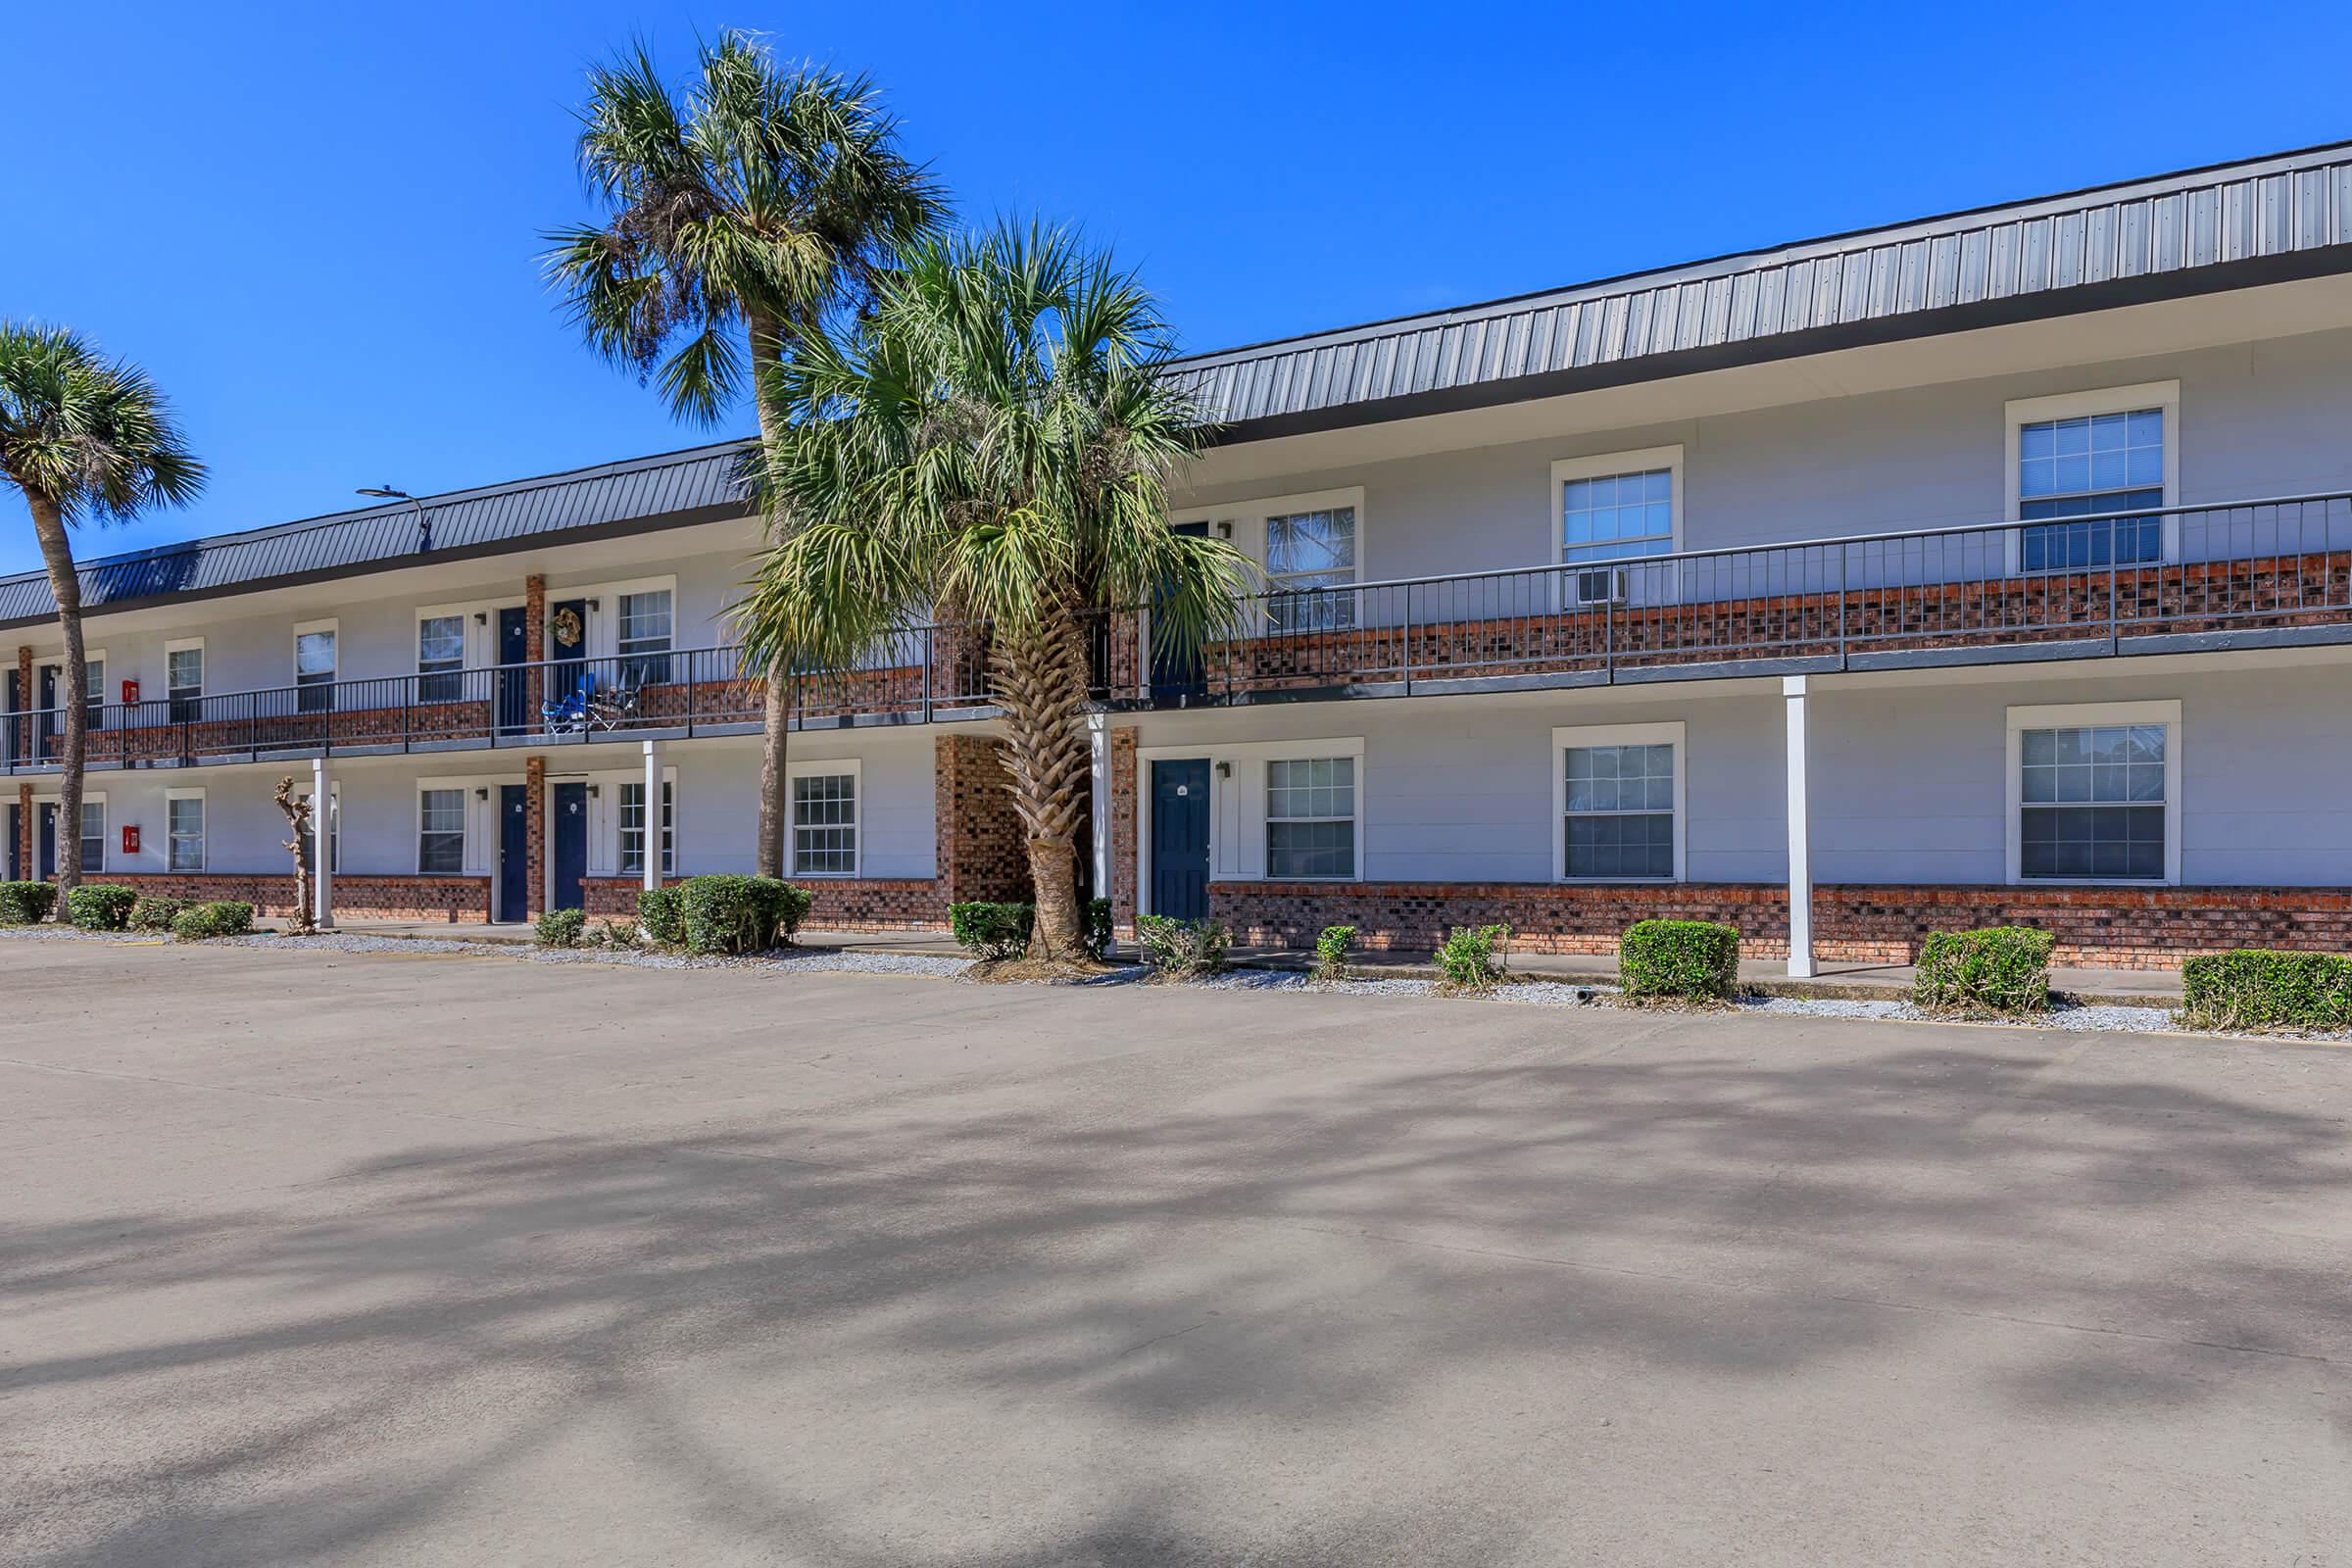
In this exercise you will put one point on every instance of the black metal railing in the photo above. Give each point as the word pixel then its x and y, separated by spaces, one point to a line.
pixel 2236 574
pixel 914 675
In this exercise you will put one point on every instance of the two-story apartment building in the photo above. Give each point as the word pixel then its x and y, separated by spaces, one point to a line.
pixel 1992 566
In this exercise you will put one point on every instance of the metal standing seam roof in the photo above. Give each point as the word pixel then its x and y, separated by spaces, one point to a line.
pixel 2186 232
pixel 2227 225
pixel 672 488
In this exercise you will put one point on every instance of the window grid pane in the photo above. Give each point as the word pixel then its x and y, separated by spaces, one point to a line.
pixel 441 837
pixel 645 622
pixel 632 830
pixel 1311 554
pixel 1618 515
pixel 2104 463
pixel 184 671
pixel 824 824
pixel 1311 818
pixel 183 820
pixel 1620 813
pixel 2092 802
pixel 93 835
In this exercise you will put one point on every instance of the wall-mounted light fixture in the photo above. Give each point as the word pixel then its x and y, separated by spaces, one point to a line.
pixel 1225 527
pixel 481 794
pixel 596 603
pixel 595 792
pixel 481 617
pixel 1224 771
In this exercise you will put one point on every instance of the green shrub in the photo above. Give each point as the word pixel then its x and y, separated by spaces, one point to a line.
pixel 223 917
pixel 662 913
pixel 1474 956
pixel 1097 928
pixel 24 902
pixel 987 930
pixel 1693 961
pixel 2257 988
pixel 740 913
pixel 1331 952
pixel 1182 946
pixel 101 905
pixel 2003 968
pixel 155 912
pixel 560 928
pixel 618 936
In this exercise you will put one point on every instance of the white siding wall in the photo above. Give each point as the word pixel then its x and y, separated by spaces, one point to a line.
pixel 1909 782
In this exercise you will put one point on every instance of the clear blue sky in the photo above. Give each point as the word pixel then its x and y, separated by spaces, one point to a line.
pixel 316 226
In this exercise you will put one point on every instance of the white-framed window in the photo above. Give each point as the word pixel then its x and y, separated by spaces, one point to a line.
pixel 440 832
pixel 1617 795
pixel 184 829
pixel 2095 792
pixel 644 629
pixel 1310 569
pixel 1614 505
pixel 440 657
pixel 1311 818
pixel 824 819
pixel 93 833
pixel 632 828
pixel 315 663
pixel 184 677
pixel 2093 455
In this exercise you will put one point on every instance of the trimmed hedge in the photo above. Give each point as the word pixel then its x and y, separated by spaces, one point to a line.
pixel 2002 969
pixel 101 905
pixel 1331 952
pixel 25 903
pixel 741 914
pixel 560 928
pixel 1182 946
pixel 662 913
pixel 1694 961
pixel 2257 988
pixel 155 912
pixel 991 930
pixel 223 917
pixel 1470 959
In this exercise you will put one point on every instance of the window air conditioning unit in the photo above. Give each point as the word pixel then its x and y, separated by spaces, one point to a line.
pixel 1601 585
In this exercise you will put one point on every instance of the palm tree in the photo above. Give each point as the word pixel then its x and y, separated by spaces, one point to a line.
pixel 81 437
pixel 742 214
pixel 995 438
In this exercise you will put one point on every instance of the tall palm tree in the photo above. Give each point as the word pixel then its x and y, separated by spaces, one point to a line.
pixel 743 213
pixel 995 436
pixel 81 438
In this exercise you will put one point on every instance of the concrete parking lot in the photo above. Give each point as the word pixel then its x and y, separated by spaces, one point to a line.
pixel 336 1258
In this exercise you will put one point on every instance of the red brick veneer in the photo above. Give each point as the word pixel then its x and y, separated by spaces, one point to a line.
pixel 2122 928
pixel 842 904
pixel 452 898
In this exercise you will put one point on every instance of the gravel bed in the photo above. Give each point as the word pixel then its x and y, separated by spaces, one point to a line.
pixel 353 942
pixel 70 933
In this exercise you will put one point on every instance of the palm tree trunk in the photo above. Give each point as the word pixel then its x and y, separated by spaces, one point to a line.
pixel 1039 681
pixel 65 586
pixel 775 706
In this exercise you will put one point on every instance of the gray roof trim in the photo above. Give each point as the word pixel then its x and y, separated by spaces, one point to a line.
pixel 2231 225
pixel 670 490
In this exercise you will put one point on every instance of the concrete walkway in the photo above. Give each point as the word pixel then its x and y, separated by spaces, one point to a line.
pixel 390 1259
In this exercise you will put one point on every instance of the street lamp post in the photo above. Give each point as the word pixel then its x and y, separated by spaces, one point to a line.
pixel 424 523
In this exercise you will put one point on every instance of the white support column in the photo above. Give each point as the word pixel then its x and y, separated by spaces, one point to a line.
pixel 1800 834
pixel 653 814
pixel 1098 740
pixel 322 844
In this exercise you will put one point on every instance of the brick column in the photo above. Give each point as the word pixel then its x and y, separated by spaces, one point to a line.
pixel 982 854
pixel 534 832
pixel 534 649
pixel 1122 831
pixel 25 827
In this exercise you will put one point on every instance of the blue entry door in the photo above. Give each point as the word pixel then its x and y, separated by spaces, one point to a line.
pixel 47 848
pixel 16 844
pixel 1180 838
pixel 570 833
pixel 514 682
pixel 514 853
pixel 1178 675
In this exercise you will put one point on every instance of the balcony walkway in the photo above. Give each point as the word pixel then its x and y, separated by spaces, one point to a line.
pixel 2271 573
